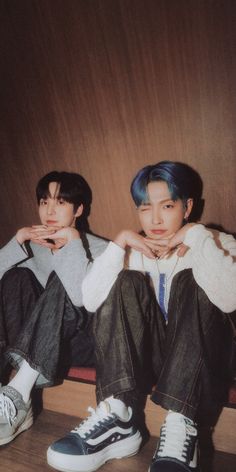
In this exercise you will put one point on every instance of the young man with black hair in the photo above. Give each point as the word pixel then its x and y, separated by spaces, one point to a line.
pixel 42 320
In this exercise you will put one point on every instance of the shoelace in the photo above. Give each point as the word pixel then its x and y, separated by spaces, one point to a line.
pixel 175 440
pixel 97 415
pixel 7 408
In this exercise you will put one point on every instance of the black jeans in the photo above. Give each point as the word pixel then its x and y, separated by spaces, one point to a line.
pixel 42 326
pixel 187 359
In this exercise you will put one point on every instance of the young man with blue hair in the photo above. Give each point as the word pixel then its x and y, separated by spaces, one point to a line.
pixel 162 298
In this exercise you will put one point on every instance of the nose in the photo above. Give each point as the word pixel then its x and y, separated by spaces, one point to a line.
pixel 156 217
pixel 51 207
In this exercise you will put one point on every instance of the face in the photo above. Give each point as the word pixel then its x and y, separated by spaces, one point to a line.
pixel 162 216
pixel 54 211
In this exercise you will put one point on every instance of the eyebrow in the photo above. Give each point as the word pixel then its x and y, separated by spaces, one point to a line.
pixel 166 200
pixel 159 201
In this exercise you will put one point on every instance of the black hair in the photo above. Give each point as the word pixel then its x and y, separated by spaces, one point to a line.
pixel 73 189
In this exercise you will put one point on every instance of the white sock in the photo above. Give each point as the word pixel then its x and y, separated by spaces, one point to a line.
pixel 119 407
pixel 24 380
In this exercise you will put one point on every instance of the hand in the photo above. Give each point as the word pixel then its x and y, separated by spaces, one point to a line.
pixel 29 233
pixel 176 241
pixel 135 241
pixel 59 237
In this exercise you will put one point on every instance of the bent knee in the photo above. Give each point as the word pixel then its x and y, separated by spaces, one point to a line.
pixel 128 278
pixel 17 273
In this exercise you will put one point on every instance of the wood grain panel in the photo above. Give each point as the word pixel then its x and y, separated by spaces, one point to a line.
pixel 106 87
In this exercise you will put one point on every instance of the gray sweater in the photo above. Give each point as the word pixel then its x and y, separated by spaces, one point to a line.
pixel 70 263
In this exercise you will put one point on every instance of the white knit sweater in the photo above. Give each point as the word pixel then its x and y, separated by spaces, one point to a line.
pixel 211 256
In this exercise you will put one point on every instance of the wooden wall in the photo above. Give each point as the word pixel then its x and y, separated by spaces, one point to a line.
pixel 104 87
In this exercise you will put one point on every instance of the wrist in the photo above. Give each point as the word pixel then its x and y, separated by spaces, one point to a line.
pixel 120 239
pixel 196 234
pixel 19 237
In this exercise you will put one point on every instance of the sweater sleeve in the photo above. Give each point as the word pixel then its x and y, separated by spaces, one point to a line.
pixel 71 265
pixel 213 265
pixel 11 255
pixel 103 274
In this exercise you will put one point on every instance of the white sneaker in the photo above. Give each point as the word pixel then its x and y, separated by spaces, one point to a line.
pixel 177 449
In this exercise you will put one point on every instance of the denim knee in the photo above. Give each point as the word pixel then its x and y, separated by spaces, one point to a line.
pixel 17 274
pixel 132 278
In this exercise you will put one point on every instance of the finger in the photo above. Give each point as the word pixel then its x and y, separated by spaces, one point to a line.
pixel 59 245
pixel 158 250
pixel 47 230
pixel 147 252
pixel 155 247
pixel 43 243
pixel 46 235
pixel 42 234
pixel 182 250
pixel 157 243
pixel 164 255
pixel 53 227
pixel 61 241
pixel 165 252
pixel 31 232
pixel 150 255
pixel 160 239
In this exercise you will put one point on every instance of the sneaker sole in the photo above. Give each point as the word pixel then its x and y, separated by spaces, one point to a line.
pixel 91 462
pixel 196 469
pixel 23 427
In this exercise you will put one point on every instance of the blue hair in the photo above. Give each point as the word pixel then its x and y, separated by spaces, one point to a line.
pixel 183 181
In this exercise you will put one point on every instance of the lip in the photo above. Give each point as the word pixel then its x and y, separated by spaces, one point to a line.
pixel 51 223
pixel 158 231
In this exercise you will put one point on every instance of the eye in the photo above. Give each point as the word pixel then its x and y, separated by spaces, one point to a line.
pixel 144 208
pixel 169 205
pixel 43 202
pixel 61 201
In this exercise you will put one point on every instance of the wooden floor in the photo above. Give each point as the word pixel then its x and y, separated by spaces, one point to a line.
pixel 28 452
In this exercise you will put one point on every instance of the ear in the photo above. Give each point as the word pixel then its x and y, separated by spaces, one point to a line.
pixel 189 207
pixel 79 211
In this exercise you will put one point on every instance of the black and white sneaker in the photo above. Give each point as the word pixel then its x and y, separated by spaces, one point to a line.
pixel 177 450
pixel 104 435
